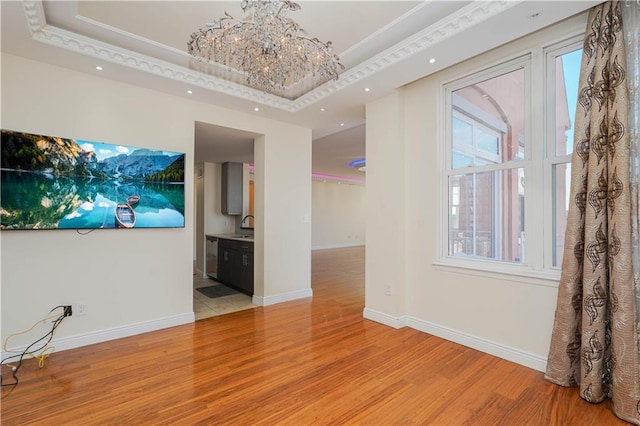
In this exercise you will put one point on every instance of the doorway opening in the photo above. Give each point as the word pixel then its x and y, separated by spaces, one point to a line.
pixel 213 146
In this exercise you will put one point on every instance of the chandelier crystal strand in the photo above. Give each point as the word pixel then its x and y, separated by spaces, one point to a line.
pixel 272 51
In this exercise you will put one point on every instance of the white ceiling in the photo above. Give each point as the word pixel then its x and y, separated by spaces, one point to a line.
pixel 383 45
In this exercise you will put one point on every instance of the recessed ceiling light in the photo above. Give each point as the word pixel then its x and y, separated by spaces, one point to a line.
pixel 432 60
pixel 189 91
pixel 366 89
pixel 256 109
pixel 99 68
pixel 322 109
pixel 341 124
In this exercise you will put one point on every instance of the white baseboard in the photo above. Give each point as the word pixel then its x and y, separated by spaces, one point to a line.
pixel 283 297
pixel 333 246
pixel 518 356
pixel 382 318
pixel 71 342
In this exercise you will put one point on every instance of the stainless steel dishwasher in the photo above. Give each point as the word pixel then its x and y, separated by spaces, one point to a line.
pixel 212 257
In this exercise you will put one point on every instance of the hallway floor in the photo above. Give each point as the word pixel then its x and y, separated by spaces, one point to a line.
pixel 204 307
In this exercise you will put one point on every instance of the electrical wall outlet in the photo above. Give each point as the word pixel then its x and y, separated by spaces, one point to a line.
pixel 80 309
pixel 387 290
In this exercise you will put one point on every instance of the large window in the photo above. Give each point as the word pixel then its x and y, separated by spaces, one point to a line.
pixel 487 114
pixel 509 137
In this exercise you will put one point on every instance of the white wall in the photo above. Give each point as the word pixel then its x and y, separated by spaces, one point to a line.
pixel 338 215
pixel 139 280
pixel 506 317
pixel 282 222
pixel 385 208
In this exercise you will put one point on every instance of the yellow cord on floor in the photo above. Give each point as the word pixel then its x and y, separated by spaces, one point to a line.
pixel 43 355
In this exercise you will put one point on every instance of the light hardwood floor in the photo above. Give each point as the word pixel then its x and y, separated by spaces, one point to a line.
pixel 311 361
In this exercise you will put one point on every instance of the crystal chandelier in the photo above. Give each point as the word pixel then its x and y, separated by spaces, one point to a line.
pixel 272 51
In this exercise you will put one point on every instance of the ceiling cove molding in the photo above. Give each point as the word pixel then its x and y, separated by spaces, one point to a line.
pixel 128 34
pixel 460 21
pixel 34 12
pixel 57 37
pixel 456 23
pixel 388 26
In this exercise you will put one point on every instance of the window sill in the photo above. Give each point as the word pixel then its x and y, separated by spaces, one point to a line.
pixel 498 270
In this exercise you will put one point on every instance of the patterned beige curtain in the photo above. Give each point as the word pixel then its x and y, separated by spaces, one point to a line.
pixel 631 19
pixel 594 342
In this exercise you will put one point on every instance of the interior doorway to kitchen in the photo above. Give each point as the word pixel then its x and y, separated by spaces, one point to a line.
pixel 214 145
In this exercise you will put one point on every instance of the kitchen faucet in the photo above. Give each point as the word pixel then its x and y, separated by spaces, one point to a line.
pixel 245 218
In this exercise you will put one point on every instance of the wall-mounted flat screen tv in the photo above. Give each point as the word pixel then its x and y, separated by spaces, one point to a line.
pixel 51 182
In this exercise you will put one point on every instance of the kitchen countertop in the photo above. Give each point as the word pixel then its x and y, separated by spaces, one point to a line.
pixel 237 237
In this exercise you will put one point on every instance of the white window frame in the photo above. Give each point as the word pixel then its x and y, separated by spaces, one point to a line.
pixel 539 159
pixel 520 63
pixel 551 158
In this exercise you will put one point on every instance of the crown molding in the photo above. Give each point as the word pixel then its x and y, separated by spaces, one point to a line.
pixel 456 23
pixel 57 37
pixel 34 13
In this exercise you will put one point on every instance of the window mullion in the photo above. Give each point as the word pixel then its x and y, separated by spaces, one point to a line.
pixel 534 193
pixel 549 202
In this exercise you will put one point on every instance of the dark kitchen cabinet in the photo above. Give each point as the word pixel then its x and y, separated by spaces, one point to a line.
pixel 224 263
pixel 235 264
pixel 245 278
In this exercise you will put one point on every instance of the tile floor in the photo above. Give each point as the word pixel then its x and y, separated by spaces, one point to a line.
pixel 204 307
